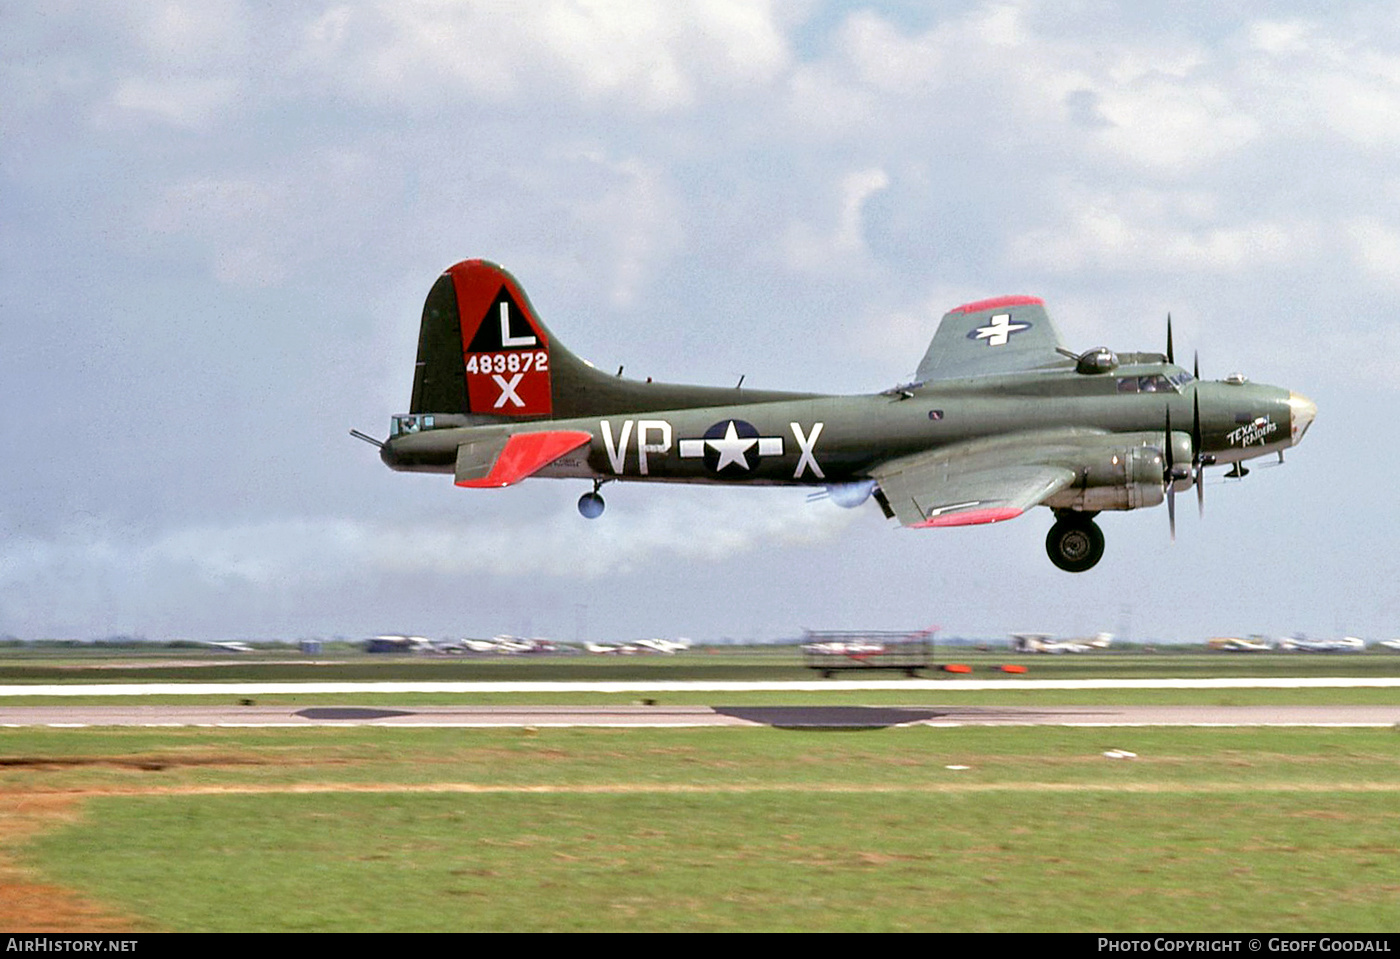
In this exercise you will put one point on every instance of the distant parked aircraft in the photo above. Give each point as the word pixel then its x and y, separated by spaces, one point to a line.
pixel 612 649
pixel 1042 643
pixel 1233 644
pixel 1348 644
pixel 667 646
pixel 231 647
pixel 399 644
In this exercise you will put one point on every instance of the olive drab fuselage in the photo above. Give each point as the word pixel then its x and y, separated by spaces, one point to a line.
pixel 1001 418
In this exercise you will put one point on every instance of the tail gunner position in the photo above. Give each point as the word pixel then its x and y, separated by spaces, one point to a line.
pixel 1000 418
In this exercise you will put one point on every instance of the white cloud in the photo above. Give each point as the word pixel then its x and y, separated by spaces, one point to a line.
pixel 237 216
pixel 184 64
pixel 1171 124
pixel 1362 101
pixel 1376 246
pixel 88 565
pixel 257 228
pixel 1281 37
pixel 190 34
pixel 898 336
pixel 1339 78
pixel 1156 103
pixel 1150 231
pixel 189 102
pixel 635 220
pixel 654 56
pixel 814 249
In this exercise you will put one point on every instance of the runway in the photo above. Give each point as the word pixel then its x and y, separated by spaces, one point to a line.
pixel 786 717
pixel 950 687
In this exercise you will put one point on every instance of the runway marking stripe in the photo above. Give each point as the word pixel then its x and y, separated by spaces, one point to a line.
pixel 360 723
pixel 940 685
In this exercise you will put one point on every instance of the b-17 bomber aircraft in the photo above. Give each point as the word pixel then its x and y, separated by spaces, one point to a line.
pixel 1001 417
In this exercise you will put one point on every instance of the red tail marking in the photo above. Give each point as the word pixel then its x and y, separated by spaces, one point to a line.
pixel 508 373
pixel 526 454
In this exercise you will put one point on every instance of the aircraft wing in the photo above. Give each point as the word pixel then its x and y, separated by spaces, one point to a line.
pixel 1008 334
pixel 970 483
pixel 498 459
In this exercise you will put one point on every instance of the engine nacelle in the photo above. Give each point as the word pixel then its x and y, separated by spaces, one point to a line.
pixel 1125 478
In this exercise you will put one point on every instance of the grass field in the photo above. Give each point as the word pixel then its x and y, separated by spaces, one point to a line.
pixel 720 829
pixel 1270 829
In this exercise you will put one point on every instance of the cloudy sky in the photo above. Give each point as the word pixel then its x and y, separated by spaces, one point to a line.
pixel 219 220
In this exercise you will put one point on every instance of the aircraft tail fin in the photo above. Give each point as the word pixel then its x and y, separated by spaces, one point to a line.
pixel 483 350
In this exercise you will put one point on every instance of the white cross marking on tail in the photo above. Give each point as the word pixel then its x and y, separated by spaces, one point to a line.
pixel 999 331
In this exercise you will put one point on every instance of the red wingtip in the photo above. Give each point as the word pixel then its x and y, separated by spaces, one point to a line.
pixel 972 517
pixel 997 302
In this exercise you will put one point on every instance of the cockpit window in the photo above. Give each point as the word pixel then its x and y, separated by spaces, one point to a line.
pixel 1152 383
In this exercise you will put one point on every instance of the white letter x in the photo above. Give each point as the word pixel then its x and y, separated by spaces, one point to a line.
pixel 508 391
pixel 806 444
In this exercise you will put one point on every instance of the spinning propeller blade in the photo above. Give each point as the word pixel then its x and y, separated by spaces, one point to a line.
pixel 1198 461
pixel 1169 477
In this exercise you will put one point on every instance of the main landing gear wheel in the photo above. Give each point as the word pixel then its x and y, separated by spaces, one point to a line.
pixel 1075 543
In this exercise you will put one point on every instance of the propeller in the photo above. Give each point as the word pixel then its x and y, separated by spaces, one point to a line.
pixel 1171 473
pixel 1198 465
pixel 1199 458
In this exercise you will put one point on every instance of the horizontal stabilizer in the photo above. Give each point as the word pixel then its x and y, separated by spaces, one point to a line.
pixel 500 461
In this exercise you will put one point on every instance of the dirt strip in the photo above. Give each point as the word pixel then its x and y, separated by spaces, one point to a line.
pixel 28 905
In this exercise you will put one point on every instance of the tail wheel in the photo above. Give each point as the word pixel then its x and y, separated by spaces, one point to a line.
pixel 1075 544
pixel 590 505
